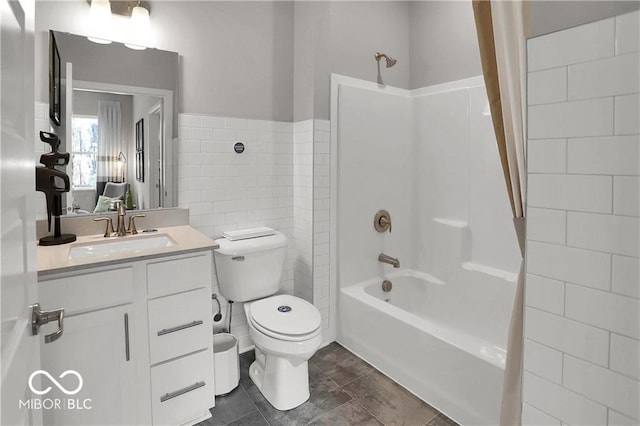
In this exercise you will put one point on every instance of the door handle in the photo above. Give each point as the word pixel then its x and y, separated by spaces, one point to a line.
pixel 40 317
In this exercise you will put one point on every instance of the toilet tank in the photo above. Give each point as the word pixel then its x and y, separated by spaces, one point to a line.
pixel 250 269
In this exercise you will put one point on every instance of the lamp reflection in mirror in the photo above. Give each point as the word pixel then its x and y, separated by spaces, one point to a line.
pixel 100 21
pixel 122 161
pixel 139 27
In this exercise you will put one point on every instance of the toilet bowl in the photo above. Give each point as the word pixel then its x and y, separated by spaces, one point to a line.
pixel 285 329
pixel 284 343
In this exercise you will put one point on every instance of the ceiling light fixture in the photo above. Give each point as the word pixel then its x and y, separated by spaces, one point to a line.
pixel 100 21
pixel 139 28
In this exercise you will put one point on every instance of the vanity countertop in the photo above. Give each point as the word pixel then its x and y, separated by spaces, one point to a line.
pixel 55 259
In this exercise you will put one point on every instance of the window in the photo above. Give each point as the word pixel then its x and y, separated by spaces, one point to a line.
pixel 84 151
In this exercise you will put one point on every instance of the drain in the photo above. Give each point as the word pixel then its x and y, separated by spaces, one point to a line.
pixel 386 286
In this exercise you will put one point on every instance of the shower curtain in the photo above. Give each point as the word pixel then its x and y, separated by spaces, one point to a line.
pixel 501 36
pixel 109 141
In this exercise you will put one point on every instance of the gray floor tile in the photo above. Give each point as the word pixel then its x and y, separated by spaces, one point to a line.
pixel 246 359
pixel 253 419
pixel 389 402
pixel 231 407
pixel 351 413
pixel 442 420
pixel 340 364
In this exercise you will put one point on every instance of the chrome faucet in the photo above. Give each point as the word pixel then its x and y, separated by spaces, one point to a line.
pixel 121 229
pixel 390 260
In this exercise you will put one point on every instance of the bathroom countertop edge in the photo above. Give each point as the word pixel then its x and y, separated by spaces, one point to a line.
pixel 54 260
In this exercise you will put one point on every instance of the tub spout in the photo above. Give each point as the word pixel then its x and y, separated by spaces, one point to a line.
pixel 390 260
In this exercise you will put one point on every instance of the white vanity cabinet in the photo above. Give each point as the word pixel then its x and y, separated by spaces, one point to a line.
pixel 139 334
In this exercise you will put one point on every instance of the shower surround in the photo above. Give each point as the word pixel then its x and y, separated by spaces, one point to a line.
pixel 429 157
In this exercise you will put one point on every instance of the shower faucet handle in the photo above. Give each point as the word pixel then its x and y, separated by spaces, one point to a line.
pixel 382 221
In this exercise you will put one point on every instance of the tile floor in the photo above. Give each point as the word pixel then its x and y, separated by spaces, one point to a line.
pixel 345 390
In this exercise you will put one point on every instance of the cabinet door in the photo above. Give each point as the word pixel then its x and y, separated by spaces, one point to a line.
pixel 95 345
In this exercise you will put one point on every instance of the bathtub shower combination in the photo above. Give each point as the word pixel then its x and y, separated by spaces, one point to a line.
pixel 429 158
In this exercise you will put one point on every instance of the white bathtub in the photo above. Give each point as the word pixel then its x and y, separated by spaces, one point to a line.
pixel 422 338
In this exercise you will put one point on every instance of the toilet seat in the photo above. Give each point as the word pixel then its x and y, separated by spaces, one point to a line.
pixel 285 317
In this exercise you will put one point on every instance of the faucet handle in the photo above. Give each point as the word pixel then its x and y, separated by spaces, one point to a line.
pixel 382 221
pixel 109 230
pixel 132 223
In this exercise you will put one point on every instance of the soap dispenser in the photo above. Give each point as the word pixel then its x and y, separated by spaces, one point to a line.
pixel 53 183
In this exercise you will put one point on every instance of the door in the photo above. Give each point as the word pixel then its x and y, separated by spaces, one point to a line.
pixel 155 145
pixel 19 350
pixel 97 345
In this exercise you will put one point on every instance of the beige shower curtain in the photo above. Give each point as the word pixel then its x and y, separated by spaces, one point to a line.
pixel 501 36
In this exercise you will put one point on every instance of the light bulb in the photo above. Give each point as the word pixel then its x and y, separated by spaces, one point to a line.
pixel 139 28
pixel 100 21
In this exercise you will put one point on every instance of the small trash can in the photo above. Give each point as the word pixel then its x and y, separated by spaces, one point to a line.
pixel 226 364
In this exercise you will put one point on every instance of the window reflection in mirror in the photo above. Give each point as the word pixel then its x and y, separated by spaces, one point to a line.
pixel 144 84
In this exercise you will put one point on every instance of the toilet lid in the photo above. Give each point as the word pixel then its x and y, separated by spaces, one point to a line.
pixel 286 315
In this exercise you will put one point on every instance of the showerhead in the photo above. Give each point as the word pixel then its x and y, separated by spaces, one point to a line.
pixel 390 61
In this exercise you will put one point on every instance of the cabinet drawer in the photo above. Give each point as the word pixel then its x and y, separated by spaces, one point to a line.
pixel 179 324
pixel 182 390
pixel 172 276
pixel 88 291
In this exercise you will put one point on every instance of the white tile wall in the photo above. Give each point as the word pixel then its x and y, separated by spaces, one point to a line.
pixel 572 337
pixel 561 403
pixel 531 416
pixel 562 263
pixel 613 234
pixel 582 320
pixel 608 155
pixel 626 276
pixel 548 86
pixel 281 180
pixel 593 117
pixel 602 385
pixel 303 208
pixel 548 226
pixel 625 356
pixel 603 309
pixel 225 190
pixel 548 156
pixel 580 44
pixel 627 34
pixel 627 113
pixel 321 223
pixel 612 76
pixel 543 361
pixel 571 192
pixel 545 294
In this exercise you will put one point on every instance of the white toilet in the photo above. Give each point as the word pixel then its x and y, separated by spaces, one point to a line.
pixel 286 330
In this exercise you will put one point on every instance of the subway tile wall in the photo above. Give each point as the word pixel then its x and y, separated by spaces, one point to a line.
pixel 321 219
pixel 281 181
pixel 303 208
pixel 582 315
pixel 225 190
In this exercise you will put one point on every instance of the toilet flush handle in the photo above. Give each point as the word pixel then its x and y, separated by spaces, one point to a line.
pixel 238 258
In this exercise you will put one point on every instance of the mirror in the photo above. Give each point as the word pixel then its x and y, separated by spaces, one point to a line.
pixel 118 120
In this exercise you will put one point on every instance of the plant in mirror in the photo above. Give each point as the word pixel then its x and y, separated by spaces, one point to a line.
pixel 116 103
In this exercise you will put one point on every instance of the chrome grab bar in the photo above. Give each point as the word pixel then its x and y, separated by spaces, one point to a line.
pixel 179 327
pixel 170 395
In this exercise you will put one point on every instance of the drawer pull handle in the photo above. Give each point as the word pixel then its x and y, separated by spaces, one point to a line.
pixel 126 337
pixel 168 396
pixel 178 328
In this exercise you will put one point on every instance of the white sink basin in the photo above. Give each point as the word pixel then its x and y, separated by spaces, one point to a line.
pixel 119 245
